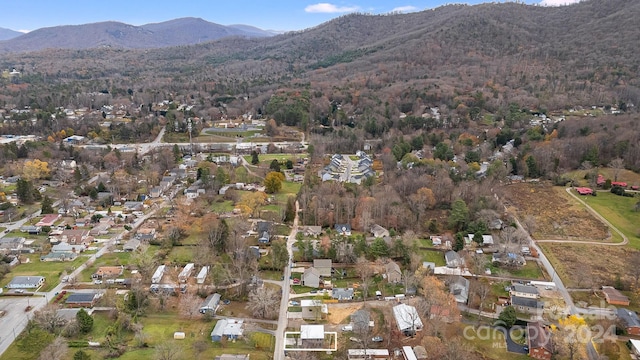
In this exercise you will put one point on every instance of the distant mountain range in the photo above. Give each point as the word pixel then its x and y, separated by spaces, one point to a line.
pixel 183 31
pixel 6 34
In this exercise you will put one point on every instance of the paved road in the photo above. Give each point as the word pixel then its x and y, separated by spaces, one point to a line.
pixel 278 353
pixel 16 319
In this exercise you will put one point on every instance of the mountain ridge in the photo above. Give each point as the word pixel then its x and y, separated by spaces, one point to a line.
pixel 176 32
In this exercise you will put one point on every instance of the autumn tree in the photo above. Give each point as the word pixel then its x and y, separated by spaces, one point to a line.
pixel 273 182
pixel 422 201
pixel 250 202
pixel 571 336
pixel 35 169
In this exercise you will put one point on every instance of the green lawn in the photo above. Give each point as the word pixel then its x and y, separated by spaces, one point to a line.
pixel 530 271
pixel 50 270
pixel 108 259
pixel 222 206
pixel 490 344
pixel 433 256
pixel 181 254
pixel 619 211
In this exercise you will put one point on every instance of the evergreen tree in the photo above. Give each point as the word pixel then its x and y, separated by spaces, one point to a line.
pixel 47 205
pixel 290 212
pixel 254 158
pixel 85 321
pixel 275 165
pixel 24 191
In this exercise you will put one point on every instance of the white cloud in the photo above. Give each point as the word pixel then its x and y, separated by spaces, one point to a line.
pixel 329 8
pixel 405 9
pixel 558 2
pixel 23 31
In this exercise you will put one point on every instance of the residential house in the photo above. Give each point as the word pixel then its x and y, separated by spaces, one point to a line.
pixel 342 293
pixel 83 300
pixel 508 259
pixel 66 247
pixel 323 266
pixel 313 309
pixel 100 229
pixel 264 238
pixel 232 329
pixel 146 234
pixel 486 239
pixel 343 229
pixel 131 245
pixel 614 297
pixel 436 240
pixel 158 274
pixel 11 245
pixel 539 341
pixel 108 272
pixel 210 304
pixel 131 206
pixel 202 275
pixel 407 319
pixel 408 353
pixel 31 230
pixel 459 287
pixel 186 272
pixel 378 231
pixel 69 315
pixel 311 277
pixel 368 354
pixel 48 220
pixel 629 319
pixel 495 224
pixel 59 256
pixel 527 305
pixel 73 237
pixel 312 336
pixel 525 291
pixel 155 192
pixel 263 228
pixel 312 231
pixel 231 357
pixel 25 282
pixel 453 259
pixel 393 272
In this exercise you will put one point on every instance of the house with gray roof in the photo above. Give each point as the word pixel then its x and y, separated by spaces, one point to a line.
pixel 453 259
pixel 460 289
pixel 629 319
pixel 211 304
pixel 311 277
pixel 342 293
pixel 26 282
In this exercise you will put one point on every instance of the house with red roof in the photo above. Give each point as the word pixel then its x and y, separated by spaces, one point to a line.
pixel 584 191
pixel 48 220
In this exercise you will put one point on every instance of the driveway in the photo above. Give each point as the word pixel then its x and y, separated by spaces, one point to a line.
pixel 512 346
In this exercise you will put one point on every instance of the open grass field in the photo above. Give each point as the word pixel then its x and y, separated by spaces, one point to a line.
pixel 531 270
pixel 619 211
pixel 491 344
pixel 108 259
pixel 627 176
pixel 581 266
pixel 50 270
pixel 556 214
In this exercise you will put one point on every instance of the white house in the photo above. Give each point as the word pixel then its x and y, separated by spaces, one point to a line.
pixel 186 272
pixel 202 275
pixel 407 318
pixel 157 276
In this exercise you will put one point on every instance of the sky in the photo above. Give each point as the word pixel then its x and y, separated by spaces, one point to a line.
pixel 280 15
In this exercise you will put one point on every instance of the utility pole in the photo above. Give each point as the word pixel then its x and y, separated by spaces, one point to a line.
pixel 189 128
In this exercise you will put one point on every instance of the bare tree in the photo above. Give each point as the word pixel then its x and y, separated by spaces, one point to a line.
pixel 190 305
pixel 57 350
pixel 365 270
pixel 168 351
pixel 264 302
pixel 617 165
pixel 48 319
pixel 482 289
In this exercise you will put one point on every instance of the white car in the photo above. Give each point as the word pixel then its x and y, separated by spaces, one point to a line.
pixel 97 282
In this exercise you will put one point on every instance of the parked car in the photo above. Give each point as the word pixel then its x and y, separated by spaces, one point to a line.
pixel 355 339
pixel 314 291
pixel 347 328
pixel 377 339
pixel 97 282
pixel 294 303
